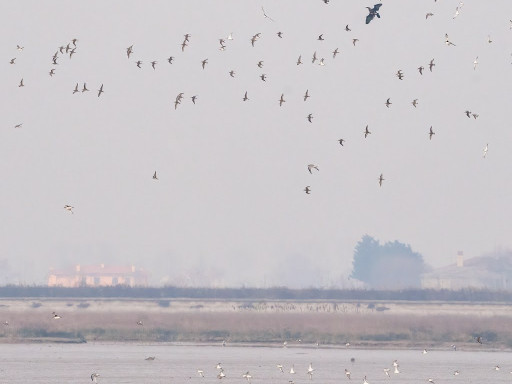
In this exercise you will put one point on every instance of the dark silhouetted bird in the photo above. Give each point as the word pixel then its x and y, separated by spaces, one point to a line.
pixel 373 12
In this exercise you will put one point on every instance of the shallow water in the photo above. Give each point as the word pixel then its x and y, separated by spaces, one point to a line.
pixel 125 363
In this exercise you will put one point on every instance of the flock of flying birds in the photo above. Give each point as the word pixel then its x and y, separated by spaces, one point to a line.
pixel 70 49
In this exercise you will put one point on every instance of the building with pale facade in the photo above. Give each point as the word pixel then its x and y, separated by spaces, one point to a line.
pixel 97 276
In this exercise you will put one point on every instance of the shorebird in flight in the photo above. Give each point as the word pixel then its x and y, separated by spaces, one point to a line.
pixel 312 166
pixel 354 41
pixel 263 77
pixel 281 100
pixel 280 367
pixel 18 125
pixel 139 63
pixel 84 88
pixel 321 37
pixel 266 16
pixel 310 117
pixel 70 209
pixel 19 48
pixel 76 89
pixel 221 374
pixel 334 53
pixel 381 179
pixel 170 59
pixel 139 322
pixel 430 380
pixel 347 28
pixel 193 98
pixel 468 113
pixel 247 376
pixel 420 69
pixel 299 62
pixel 306 95
pixel 314 57
pixel 100 91
pixel 280 35
pixel 428 15
pixel 366 132
pixel 204 62
pixel 414 103
pixel 431 65
pixel 431 133
pixel 373 12
pixel 21 83
pixel 153 64
pixel 489 39
pixel 447 41
pixel 183 45
pixel 475 63
pixel 388 102
pixel 307 190
pixel 154 176
pixel 260 64
pixel 232 73
pixel 341 141
pixel 486 148
pixel 52 72
pixel 12 61
pixel 400 74
pixel 321 62
pixel 245 97
pixel 200 372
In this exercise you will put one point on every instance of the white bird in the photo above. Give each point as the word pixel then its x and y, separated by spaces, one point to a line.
pixel 456 373
pixel 247 376
pixel 230 37
pixel 70 209
pixel 475 63
pixel 292 369
pixel 486 148
pixel 365 381
pixel 430 380
pixel 312 166
pixel 219 366
pixel 386 371
pixel 310 371
pixel 425 351
pixel 55 316
pixel 266 16
pixel 19 48
pixel 221 374
pixel 94 377
pixel 200 372
pixel 347 373
pixel 280 367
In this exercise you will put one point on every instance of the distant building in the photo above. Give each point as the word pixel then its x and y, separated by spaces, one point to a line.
pixel 98 275
pixel 485 272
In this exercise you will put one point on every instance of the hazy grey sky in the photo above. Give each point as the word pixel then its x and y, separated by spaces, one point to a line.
pixel 229 206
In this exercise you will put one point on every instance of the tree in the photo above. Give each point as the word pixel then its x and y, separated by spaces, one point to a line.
pixel 393 265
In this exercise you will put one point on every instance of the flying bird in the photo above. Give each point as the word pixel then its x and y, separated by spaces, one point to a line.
pixel 68 208
pixel 100 91
pixel 307 190
pixel 280 35
pixel 154 176
pixel 52 72
pixel 388 102
pixel 400 74
pixel 260 64
pixel 347 373
pixel 314 57
pixel 129 51
pixel 312 166
pixel 21 83
pixel 19 48
pixel 475 63
pixel 334 53
pixel 204 62
pixel 341 141
pixel 414 103
pixel 84 88
pixel 381 179
pixel 366 132
pixel 170 59
pixel 372 12
pixel 245 97
pixel 431 133
pixel 76 89
pixel 194 98
pixel 306 95
pixel 299 60
pixel 18 125
pixel 321 37
pixel 431 65
pixel 153 64
pixel 310 117
pixel 266 16
pixel 486 148
pixel 281 100
pixel 12 61
pixel 447 41
pixel 420 69
pixel 263 77
pixel 468 114
pixel 232 73
pixel 347 28
pixel 354 41
pixel 139 63
pixel 428 15
pixel 55 316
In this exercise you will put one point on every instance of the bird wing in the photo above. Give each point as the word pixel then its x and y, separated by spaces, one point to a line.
pixel 369 18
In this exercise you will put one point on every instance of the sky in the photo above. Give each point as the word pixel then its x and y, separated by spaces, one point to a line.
pixel 229 207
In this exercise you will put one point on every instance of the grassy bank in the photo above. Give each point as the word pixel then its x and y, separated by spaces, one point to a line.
pixel 428 325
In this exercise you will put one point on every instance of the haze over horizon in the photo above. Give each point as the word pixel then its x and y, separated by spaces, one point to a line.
pixel 229 206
